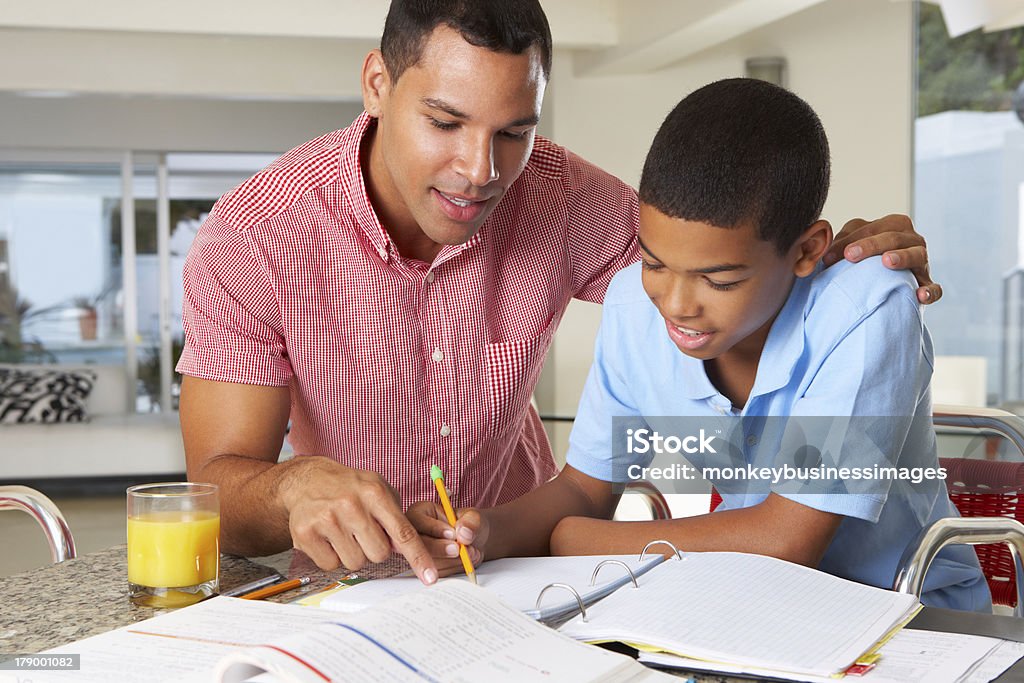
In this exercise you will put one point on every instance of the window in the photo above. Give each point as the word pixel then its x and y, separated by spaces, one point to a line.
pixel 64 291
pixel 60 264
pixel 968 194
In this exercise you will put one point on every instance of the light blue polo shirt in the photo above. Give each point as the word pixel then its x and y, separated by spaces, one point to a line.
pixel 849 341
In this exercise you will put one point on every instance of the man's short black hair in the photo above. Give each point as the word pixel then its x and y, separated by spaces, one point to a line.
pixel 740 151
pixel 510 26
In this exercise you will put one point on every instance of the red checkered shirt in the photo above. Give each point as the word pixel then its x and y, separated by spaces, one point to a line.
pixel 395 364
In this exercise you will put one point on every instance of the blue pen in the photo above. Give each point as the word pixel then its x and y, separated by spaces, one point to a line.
pixel 253 585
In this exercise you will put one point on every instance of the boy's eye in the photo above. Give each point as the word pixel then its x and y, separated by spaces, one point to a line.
pixel 443 125
pixel 721 286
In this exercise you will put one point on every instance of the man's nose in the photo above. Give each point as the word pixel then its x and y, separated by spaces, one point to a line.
pixel 476 163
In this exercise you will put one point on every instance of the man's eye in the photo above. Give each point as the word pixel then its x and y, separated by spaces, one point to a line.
pixel 443 125
pixel 647 265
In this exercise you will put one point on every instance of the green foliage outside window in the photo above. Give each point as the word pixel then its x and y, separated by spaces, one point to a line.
pixel 977 71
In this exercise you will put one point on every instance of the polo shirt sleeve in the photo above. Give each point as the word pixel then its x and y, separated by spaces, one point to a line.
pixel 232 322
pixel 867 401
pixel 606 399
pixel 603 214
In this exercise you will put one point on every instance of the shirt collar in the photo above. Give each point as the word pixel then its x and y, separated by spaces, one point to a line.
pixel 354 187
pixel 785 343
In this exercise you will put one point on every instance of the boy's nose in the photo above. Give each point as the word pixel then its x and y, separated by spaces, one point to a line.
pixel 679 303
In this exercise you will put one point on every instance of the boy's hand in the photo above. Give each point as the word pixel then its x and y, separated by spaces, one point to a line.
pixel 471 529
pixel 895 238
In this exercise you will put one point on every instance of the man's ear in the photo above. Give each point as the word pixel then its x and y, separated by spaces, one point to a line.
pixel 810 247
pixel 376 83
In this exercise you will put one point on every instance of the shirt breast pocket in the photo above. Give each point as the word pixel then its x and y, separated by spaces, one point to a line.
pixel 512 369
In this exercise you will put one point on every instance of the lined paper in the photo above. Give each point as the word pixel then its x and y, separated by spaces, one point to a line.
pixel 748 609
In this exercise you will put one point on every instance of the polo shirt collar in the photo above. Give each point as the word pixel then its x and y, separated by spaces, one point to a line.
pixel 785 343
pixel 354 188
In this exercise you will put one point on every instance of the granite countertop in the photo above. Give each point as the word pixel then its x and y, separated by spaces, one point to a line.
pixel 75 599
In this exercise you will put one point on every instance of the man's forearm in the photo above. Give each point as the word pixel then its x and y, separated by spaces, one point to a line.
pixel 254 521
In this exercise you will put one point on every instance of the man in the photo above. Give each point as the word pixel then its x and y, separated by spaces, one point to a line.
pixel 393 288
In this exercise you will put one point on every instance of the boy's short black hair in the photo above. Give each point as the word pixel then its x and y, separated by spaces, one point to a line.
pixel 510 26
pixel 740 151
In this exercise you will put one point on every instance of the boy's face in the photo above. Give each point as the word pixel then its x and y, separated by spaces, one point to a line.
pixel 717 289
pixel 452 135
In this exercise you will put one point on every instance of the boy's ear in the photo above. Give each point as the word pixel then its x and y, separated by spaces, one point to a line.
pixel 810 247
pixel 375 82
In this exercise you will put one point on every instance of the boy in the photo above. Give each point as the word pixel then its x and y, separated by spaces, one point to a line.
pixel 730 313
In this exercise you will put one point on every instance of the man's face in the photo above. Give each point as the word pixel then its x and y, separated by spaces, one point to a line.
pixel 453 134
pixel 718 289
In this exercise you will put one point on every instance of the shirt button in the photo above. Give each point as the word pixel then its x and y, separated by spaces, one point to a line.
pixel 445 430
pixel 438 355
pixel 430 277
pixel 751 440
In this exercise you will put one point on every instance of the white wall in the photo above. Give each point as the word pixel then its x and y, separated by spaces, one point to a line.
pixel 851 59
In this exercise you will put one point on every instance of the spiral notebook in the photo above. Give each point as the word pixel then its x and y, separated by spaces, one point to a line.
pixel 518 582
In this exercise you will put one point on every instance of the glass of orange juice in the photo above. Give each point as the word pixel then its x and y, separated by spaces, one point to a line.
pixel 173 543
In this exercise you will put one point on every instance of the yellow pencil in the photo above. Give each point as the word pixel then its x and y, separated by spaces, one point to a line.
pixel 438 478
pixel 275 589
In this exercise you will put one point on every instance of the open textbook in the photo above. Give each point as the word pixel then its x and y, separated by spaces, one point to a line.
pixel 748 610
pixel 454 632
pixel 516 581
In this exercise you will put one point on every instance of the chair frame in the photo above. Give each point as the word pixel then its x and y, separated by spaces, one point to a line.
pixel 920 552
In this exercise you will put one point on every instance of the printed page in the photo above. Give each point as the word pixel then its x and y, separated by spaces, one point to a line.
pixel 748 609
pixel 911 655
pixel 457 632
pixel 185 643
pixel 516 581
pixel 1002 658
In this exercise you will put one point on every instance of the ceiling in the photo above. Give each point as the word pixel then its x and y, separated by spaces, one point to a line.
pixel 71 43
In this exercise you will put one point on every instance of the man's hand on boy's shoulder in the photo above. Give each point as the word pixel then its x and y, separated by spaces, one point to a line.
pixel 894 237
pixel 471 529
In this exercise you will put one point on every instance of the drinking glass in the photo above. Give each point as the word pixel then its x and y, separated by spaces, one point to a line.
pixel 173 543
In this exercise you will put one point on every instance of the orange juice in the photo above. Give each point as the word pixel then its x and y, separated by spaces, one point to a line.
pixel 170 549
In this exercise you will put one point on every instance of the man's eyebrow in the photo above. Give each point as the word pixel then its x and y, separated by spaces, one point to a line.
pixel 435 103
pixel 720 268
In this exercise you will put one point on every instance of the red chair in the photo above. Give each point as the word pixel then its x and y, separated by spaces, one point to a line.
pixel 989 488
